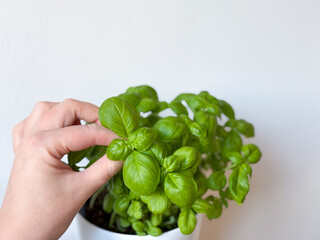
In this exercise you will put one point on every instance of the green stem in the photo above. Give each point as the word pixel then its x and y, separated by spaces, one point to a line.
pixel 112 219
pixel 232 166
pixel 95 195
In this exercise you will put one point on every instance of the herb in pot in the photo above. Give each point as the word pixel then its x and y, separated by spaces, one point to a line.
pixel 162 185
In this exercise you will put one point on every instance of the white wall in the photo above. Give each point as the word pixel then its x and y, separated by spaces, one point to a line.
pixel 261 56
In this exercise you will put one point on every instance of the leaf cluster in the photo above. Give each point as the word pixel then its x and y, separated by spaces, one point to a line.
pixel 162 183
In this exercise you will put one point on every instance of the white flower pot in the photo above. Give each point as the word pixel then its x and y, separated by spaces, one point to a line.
pixel 89 231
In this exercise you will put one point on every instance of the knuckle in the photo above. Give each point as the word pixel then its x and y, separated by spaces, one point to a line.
pixel 42 106
pixel 34 140
pixel 69 101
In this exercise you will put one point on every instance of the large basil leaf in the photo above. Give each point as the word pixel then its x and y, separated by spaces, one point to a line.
pixel 180 188
pixel 119 115
pixel 141 173
pixel 187 221
pixel 201 206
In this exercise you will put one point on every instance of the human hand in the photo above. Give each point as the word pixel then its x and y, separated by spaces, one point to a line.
pixel 44 194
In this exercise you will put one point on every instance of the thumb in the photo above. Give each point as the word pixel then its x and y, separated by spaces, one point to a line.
pixel 98 174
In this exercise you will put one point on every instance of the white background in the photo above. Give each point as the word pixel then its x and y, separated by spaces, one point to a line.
pixel 261 56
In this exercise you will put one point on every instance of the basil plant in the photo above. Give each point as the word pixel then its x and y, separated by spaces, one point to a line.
pixel 162 183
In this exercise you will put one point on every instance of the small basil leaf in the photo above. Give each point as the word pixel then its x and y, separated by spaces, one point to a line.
pixel 188 156
pixel 187 221
pixel 141 173
pixel 180 188
pixel 156 219
pixel 197 130
pixel 135 209
pixel 201 206
pixel 226 109
pixel 121 204
pixel 142 138
pixel 178 108
pixel 132 98
pixel 119 115
pixel 202 185
pixel 170 128
pixel 232 143
pixel 216 210
pixel 235 157
pixel 171 163
pixel 159 150
pixel 144 91
pixel 138 226
pixel 107 204
pixel 217 181
pixel 158 202
pixel 207 120
pixel 147 105
pixel 116 185
pixel 239 184
pixel 162 106
pixel 95 153
pixel 246 167
pixel 251 153
pixel 154 231
pixel 77 156
pixel 118 149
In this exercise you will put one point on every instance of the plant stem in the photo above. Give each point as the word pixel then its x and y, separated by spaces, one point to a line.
pixel 95 195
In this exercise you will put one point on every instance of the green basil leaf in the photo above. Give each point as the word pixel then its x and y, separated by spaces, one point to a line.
pixel 202 185
pixel 132 98
pixel 235 157
pixel 95 153
pixel 187 221
pixel 201 206
pixel 180 188
pixel 226 109
pixel 133 195
pixel 217 181
pixel 246 167
pixel 171 163
pixel 121 204
pixel 207 120
pixel 135 209
pixel 162 106
pixel 169 128
pixel 156 219
pixel 138 226
pixel 107 204
pixel 216 210
pixel 124 222
pixel 188 157
pixel 245 128
pixel 144 91
pixel 116 185
pixel 232 143
pixel 142 138
pixel 154 231
pixel 178 108
pixel 141 173
pixel 158 202
pixel 239 184
pixel 118 149
pixel 147 105
pixel 119 115
pixel 251 153
pixel 77 156
pixel 197 130
pixel 159 151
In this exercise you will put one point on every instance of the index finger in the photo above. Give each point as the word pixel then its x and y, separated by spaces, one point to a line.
pixel 66 114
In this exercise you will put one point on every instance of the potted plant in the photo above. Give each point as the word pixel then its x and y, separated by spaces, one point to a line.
pixel 167 155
